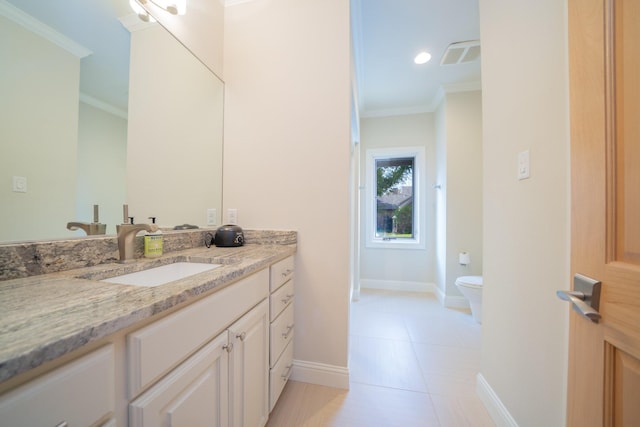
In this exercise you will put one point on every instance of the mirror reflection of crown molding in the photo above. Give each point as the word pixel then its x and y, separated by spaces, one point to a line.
pixel 27 21
pixel 97 103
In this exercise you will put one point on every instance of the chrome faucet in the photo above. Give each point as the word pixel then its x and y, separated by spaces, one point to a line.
pixel 126 238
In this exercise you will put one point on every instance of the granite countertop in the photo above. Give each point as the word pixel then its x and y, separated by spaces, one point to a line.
pixel 46 316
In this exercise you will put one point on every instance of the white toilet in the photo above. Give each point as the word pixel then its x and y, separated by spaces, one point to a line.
pixel 471 288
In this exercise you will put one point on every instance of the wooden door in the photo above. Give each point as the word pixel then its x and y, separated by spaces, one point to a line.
pixel 604 357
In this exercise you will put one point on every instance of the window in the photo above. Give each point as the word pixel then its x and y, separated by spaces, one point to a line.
pixel 393 198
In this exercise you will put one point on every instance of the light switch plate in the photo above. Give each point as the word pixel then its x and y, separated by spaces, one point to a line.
pixel 524 166
pixel 212 216
pixel 19 184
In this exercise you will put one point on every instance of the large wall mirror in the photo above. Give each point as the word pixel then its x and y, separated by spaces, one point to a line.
pixel 100 108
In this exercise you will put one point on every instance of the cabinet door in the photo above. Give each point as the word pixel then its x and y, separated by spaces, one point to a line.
pixel 195 394
pixel 80 393
pixel 249 368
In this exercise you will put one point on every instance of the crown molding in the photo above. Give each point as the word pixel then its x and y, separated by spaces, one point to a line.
pixel 396 112
pixel 30 23
pixel 101 105
pixel 443 90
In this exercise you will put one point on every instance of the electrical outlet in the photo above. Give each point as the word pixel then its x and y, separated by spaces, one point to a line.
pixel 232 216
pixel 19 184
pixel 212 216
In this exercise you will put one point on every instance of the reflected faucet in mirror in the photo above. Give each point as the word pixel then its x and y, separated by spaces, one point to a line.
pixel 92 228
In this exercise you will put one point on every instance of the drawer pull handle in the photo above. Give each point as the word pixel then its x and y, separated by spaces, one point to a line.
pixel 287 272
pixel 287 298
pixel 241 336
pixel 285 335
pixel 63 424
pixel 285 375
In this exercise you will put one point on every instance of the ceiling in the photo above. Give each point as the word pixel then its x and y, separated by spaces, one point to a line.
pixel 388 34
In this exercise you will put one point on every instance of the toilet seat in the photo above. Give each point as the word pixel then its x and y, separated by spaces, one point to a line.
pixel 470 281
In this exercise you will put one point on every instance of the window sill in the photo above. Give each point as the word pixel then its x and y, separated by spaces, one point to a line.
pixel 395 244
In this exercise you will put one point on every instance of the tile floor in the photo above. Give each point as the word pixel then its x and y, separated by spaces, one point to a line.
pixel 412 363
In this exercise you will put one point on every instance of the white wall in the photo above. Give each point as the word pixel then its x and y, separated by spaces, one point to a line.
pixel 200 29
pixel 102 159
pixel 287 156
pixel 39 89
pixel 463 185
pixel 458 208
pixel 400 268
pixel 526 226
pixel 440 261
pixel 174 161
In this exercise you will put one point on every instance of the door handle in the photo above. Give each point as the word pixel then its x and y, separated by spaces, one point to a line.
pixel 585 297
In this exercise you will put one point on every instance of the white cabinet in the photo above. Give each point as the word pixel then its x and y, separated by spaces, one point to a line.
pixel 194 394
pixel 80 393
pixel 225 382
pixel 282 327
pixel 249 368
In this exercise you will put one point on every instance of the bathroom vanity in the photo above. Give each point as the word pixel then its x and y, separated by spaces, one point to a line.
pixel 214 346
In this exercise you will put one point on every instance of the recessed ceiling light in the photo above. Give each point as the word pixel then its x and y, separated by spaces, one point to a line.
pixel 422 58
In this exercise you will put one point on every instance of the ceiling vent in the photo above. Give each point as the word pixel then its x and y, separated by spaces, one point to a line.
pixel 461 52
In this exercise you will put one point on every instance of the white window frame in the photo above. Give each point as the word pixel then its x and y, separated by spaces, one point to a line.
pixel 418 240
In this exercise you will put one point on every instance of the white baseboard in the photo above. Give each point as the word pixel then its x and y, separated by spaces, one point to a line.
pixel 450 301
pixel 395 285
pixel 492 402
pixel 321 374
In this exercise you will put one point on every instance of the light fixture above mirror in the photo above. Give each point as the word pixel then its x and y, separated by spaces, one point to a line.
pixel 174 7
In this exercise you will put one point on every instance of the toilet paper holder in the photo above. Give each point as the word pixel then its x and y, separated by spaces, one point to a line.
pixel 464 258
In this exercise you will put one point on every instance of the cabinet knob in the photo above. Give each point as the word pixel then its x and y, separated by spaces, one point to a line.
pixel 228 347
pixel 241 336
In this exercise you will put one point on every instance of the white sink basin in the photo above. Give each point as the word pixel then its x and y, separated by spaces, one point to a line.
pixel 163 274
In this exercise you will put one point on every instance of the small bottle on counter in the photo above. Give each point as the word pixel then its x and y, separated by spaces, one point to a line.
pixel 153 242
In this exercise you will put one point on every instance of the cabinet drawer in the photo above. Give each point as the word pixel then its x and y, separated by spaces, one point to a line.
pixel 281 333
pixel 279 375
pixel 155 349
pixel 281 271
pixel 281 298
pixel 80 393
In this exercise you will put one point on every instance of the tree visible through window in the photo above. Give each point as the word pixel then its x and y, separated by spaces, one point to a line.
pixel 394 198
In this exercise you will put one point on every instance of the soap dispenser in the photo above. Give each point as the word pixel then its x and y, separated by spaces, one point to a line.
pixel 153 242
